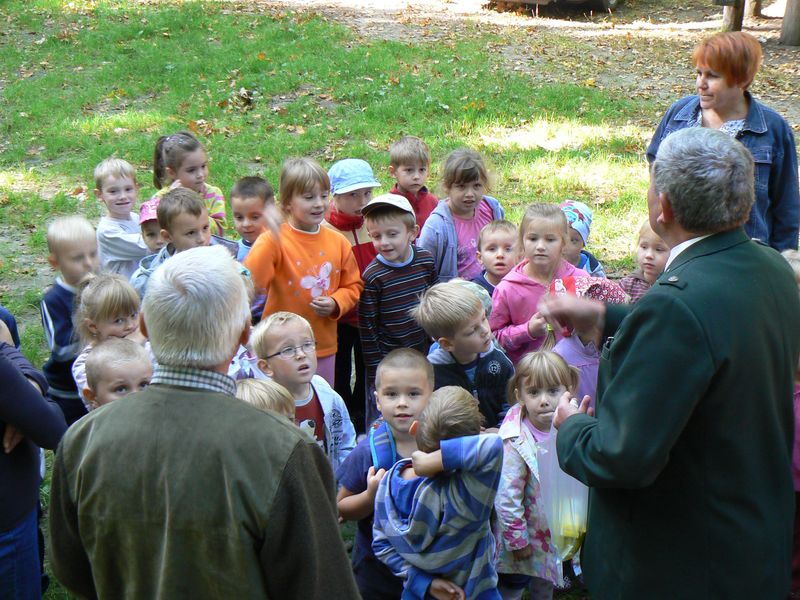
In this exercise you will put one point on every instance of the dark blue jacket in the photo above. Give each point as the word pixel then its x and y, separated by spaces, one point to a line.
pixel 775 216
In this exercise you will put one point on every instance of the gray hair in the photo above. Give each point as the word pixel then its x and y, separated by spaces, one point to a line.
pixel 195 308
pixel 707 177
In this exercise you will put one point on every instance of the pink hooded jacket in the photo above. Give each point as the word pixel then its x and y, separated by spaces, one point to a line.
pixel 514 302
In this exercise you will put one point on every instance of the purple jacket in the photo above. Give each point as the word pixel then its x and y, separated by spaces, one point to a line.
pixel 584 358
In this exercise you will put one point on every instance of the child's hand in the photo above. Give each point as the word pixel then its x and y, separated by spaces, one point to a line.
pixel 373 479
pixel 324 306
pixel 175 184
pixel 537 326
pixel 11 438
pixel 441 589
pixel 523 553
pixel 427 464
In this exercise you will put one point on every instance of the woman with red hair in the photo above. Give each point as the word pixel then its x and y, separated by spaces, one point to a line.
pixel 726 65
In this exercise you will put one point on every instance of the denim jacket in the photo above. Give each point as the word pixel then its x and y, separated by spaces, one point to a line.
pixel 775 216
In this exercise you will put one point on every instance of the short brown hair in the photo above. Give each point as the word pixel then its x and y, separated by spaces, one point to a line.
pixel 733 54
pixel 495 226
pixel 266 394
pixel 253 187
pixel 382 214
pixel 299 175
pixel 409 150
pixel 464 166
pixel 452 412
pixel 178 201
pixel 404 358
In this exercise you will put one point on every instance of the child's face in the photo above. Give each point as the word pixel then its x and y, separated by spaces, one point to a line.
pixel 188 231
pixel 540 403
pixel 296 369
pixel 119 326
pixel 402 396
pixel 251 216
pixel 573 247
pixel 651 255
pixel 498 252
pixel 351 203
pixel 76 259
pixel 193 171
pixel 543 243
pixel 307 210
pixel 151 234
pixel 119 380
pixel 392 238
pixel 471 339
pixel 411 177
pixel 463 198
pixel 119 194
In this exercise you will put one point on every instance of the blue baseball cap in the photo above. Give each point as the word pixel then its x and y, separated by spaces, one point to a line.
pixel 351 174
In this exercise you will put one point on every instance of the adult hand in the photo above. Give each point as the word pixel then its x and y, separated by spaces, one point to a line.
pixel 441 589
pixel 5 334
pixel 583 315
pixel 324 306
pixel 11 438
pixel 569 406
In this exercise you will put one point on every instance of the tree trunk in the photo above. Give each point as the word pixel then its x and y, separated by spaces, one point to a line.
pixel 733 16
pixel 790 30
pixel 752 8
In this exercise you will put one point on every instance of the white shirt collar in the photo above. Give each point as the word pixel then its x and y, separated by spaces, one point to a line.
pixel 673 254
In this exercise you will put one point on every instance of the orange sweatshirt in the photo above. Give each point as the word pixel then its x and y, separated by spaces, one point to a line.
pixel 297 267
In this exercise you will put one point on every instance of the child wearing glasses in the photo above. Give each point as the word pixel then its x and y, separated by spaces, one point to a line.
pixel 287 353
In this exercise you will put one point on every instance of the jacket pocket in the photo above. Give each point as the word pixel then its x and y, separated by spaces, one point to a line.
pixel 762 156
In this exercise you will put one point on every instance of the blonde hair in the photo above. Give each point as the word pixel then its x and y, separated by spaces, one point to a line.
pixel 498 225
pixel 299 175
pixel 542 369
pixel 258 339
pixel 548 212
pixel 178 201
pixel 266 395
pixel 109 354
pixel 464 166
pixel 102 298
pixel 793 258
pixel 445 308
pixel 409 150
pixel 404 358
pixel 113 167
pixel 646 229
pixel 68 229
pixel 452 412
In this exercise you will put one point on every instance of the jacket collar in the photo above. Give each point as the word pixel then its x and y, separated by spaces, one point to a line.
pixel 754 121
pixel 710 245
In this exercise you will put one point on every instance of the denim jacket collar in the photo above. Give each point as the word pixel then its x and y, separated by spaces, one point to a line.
pixel 754 121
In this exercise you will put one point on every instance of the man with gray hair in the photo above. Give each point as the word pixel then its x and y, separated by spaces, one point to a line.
pixel 183 491
pixel 689 455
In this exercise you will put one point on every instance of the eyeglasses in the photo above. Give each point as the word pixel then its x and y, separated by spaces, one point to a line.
pixel 291 351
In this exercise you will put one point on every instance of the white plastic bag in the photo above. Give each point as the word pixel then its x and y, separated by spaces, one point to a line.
pixel 566 501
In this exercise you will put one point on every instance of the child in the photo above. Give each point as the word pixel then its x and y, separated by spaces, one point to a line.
pixel 403 386
pixel 515 320
pixel 285 346
pixel 352 182
pixel 108 307
pixel 497 252
pixel 466 355
pixel 180 160
pixel 119 237
pixel 526 555
pixel 266 395
pixel 183 219
pixel 451 231
pixel 579 218
pixel 308 269
pixel 151 230
pixel 651 256
pixel 253 208
pixel 432 511
pixel 115 368
pixel 72 244
pixel 393 281
pixel 410 159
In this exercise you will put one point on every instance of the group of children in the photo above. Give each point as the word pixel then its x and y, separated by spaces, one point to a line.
pixel 399 331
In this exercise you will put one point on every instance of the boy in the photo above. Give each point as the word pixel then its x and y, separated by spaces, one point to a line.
pixel 432 512
pixel 148 222
pixel 254 210
pixel 352 182
pixel 497 252
pixel 466 355
pixel 183 218
pixel 403 386
pixel 115 368
pixel 266 395
pixel 286 350
pixel 119 237
pixel 410 159
pixel 579 217
pixel 393 283
pixel 72 244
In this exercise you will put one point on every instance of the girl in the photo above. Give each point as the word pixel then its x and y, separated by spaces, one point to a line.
pixel 651 257
pixel 526 557
pixel 181 160
pixel 307 269
pixel 452 229
pixel 515 321
pixel 108 307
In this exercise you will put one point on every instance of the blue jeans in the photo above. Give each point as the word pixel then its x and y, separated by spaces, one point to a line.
pixel 20 571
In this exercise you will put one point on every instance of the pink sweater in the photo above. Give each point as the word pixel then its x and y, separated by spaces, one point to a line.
pixel 514 302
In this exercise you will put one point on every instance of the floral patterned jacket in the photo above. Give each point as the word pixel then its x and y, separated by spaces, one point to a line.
pixel 518 505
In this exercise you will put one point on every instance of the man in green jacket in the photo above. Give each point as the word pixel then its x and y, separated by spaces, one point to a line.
pixel 689 456
pixel 183 491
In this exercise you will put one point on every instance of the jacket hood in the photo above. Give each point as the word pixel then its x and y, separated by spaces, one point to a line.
pixel 152 261
pixel 438 356
pixel 564 269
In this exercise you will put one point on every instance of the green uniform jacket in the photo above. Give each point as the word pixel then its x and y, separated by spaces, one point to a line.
pixel 689 458
pixel 178 493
